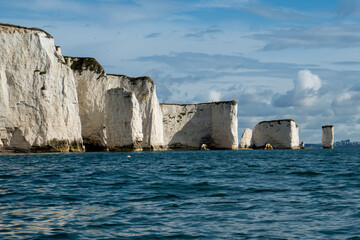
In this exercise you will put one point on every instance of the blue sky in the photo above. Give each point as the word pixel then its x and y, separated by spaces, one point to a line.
pixel 278 58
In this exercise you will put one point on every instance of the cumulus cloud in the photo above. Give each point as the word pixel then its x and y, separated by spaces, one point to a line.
pixel 307 81
pixel 213 96
pixel 305 91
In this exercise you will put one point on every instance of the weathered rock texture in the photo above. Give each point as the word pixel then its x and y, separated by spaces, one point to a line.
pixel 246 139
pixel 91 86
pixel 52 103
pixel 280 134
pixel 188 126
pixel 328 136
pixel 38 100
pixel 123 120
pixel 151 115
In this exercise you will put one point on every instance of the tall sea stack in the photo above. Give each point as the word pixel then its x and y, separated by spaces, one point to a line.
pixel 328 136
pixel 280 134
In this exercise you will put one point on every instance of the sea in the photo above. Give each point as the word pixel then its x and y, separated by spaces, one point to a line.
pixel 246 194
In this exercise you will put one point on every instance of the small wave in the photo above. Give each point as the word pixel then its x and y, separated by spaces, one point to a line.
pixel 157 198
pixel 106 225
pixel 58 236
pixel 264 190
pixel 119 183
pixel 224 203
pixel 354 238
pixel 348 174
pixel 174 236
pixel 306 173
pixel 182 236
pixel 172 205
pixel 10 194
pixel 126 210
pixel 53 175
pixel 57 229
pixel 202 184
pixel 73 198
pixel 7 176
pixel 355 215
pixel 218 195
pixel 185 204
pixel 39 181
pixel 270 171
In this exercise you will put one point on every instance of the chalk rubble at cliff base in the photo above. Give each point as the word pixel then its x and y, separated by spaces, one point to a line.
pixel 49 102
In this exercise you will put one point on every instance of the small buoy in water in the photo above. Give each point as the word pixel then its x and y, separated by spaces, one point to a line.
pixel 128 156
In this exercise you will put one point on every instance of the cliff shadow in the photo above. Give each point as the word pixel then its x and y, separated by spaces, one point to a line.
pixel 196 130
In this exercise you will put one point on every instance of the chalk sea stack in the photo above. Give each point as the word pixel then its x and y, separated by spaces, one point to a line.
pixel 328 136
pixel 189 126
pixel 280 134
pixel 246 139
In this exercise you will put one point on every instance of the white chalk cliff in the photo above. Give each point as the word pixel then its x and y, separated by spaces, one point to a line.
pixel 218 123
pixel 53 103
pixel 280 134
pixel 151 115
pixel 123 120
pixel 92 85
pixel 189 126
pixel 38 99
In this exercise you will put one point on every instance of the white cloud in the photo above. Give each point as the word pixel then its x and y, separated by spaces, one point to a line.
pixel 213 96
pixel 307 81
pixel 305 91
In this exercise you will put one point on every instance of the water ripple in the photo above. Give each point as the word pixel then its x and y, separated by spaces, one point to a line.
pixel 307 194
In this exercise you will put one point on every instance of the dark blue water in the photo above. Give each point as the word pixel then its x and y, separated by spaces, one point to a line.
pixel 278 194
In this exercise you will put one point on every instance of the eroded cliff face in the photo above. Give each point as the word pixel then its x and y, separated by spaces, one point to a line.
pixel 123 120
pixel 189 126
pixel 280 134
pixel 38 99
pixel 151 115
pixel 91 86
pixel 49 103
